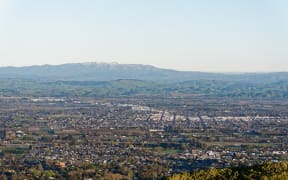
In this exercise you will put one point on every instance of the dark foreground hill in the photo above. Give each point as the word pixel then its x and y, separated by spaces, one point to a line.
pixel 271 171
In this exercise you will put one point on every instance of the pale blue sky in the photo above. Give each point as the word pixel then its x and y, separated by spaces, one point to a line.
pixel 207 35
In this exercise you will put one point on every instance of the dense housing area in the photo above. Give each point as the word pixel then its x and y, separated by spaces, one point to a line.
pixel 137 137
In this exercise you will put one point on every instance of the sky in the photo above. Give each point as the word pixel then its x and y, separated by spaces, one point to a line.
pixel 192 35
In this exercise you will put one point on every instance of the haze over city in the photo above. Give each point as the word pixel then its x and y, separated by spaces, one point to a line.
pixel 143 90
pixel 216 36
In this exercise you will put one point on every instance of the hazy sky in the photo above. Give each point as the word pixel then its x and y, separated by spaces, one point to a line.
pixel 202 35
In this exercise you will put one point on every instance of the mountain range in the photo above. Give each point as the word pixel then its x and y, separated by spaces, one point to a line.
pixel 115 71
pixel 106 80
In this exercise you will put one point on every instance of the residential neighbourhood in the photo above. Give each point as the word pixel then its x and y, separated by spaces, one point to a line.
pixel 122 137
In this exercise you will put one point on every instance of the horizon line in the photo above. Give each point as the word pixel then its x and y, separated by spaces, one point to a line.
pixel 155 66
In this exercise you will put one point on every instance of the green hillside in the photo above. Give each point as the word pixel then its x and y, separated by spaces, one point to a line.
pixel 269 171
pixel 132 87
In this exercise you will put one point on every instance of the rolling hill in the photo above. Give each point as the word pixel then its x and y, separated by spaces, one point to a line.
pixel 101 79
pixel 114 71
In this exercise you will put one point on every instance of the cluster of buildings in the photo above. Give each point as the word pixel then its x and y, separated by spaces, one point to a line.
pixel 129 137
